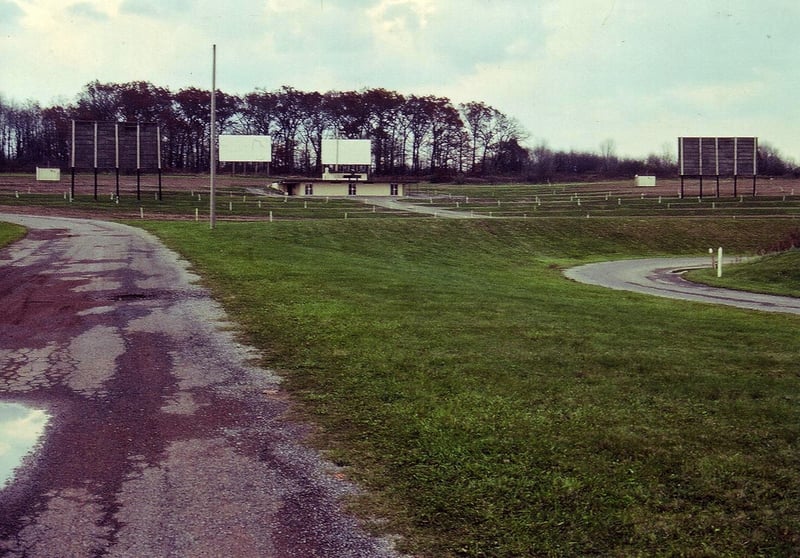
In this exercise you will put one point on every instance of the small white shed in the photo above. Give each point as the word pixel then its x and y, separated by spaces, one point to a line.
pixel 648 181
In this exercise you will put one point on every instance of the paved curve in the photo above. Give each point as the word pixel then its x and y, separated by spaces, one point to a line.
pixel 394 203
pixel 663 277
pixel 165 440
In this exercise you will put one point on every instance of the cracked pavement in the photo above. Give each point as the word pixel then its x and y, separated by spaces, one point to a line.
pixel 165 440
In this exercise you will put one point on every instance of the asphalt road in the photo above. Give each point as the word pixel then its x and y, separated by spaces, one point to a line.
pixel 663 277
pixel 165 440
pixel 394 203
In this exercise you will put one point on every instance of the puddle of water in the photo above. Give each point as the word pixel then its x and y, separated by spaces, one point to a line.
pixel 20 429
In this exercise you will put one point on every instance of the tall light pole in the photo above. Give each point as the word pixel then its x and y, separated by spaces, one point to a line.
pixel 212 143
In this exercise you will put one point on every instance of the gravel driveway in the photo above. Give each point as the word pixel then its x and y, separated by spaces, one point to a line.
pixel 164 440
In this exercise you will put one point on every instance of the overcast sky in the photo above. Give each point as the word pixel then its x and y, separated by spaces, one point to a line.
pixel 575 73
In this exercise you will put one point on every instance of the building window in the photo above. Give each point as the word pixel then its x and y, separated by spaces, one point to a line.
pixel 393 189
pixel 309 189
pixel 351 189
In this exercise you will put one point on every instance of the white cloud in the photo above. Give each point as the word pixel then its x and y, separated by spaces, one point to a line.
pixel 718 96
pixel 86 10
pixel 391 18
pixel 573 72
pixel 155 8
pixel 9 14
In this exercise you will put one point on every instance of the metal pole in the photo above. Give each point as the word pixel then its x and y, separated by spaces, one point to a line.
pixel 116 156
pixel 95 161
pixel 211 213
pixel 158 151
pixel 138 162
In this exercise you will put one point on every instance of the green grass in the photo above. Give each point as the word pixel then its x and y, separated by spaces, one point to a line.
pixel 9 233
pixel 772 274
pixel 494 408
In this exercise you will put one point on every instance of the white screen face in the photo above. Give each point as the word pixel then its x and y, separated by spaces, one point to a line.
pixel 247 149
pixel 346 152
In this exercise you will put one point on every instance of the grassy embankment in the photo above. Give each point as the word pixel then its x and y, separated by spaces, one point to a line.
pixel 495 408
pixel 9 233
pixel 772 274
pixel 230 204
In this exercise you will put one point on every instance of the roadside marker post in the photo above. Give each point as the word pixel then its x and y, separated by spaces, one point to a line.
pixel 719 262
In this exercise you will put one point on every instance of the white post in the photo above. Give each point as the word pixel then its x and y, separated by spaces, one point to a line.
pixel 719 262
pixel 196 214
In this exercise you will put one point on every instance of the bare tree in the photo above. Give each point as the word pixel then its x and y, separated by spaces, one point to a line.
pixel 608 153
pixel 477 116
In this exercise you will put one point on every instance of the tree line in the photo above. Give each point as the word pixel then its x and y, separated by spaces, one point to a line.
pixel 421 136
